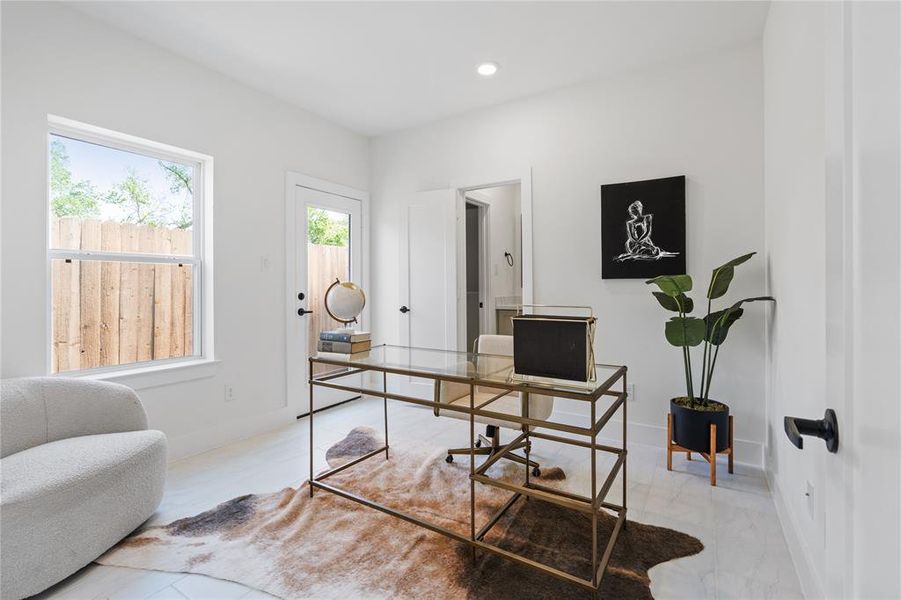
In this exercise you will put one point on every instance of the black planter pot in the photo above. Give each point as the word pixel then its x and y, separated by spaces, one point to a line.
pixel 691 428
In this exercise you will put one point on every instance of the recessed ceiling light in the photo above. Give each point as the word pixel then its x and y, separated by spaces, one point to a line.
pixel 487 69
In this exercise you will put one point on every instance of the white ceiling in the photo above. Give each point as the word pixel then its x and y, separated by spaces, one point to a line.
pixel 376 67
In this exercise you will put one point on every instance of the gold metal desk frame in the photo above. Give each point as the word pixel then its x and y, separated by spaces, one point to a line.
pixel 501 377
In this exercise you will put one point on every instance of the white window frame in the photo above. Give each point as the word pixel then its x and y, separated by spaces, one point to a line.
pixel 200 260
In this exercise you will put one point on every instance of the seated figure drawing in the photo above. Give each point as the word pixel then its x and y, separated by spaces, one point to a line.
pixel 639 245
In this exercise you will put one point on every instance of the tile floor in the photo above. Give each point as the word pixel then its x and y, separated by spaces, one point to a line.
pixel 745 552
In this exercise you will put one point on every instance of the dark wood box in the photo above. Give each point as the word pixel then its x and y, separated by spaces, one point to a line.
pixel 553 346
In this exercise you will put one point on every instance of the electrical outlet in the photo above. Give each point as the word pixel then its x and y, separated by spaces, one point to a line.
pixel 630 391
pixel 229 393
pixel 809 494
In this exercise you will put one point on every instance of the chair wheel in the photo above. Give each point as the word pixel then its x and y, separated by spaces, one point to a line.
pixel 450 458
pixel 536 472
pixel 478 443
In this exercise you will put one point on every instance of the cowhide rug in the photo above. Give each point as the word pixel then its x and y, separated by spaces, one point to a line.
pixel 293 546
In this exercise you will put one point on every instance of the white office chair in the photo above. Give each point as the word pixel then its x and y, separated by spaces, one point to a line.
pixel 540 406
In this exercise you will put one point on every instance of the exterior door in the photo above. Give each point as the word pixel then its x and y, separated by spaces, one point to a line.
pixel 329 234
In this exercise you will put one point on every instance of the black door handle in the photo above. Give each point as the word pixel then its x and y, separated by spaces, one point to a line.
pixel 825 429
pixel 404 309
pixel 303 312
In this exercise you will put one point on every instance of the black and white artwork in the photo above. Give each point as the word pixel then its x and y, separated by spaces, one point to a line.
pixel 643 228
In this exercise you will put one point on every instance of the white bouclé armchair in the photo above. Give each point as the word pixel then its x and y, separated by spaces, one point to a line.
pixel 79 470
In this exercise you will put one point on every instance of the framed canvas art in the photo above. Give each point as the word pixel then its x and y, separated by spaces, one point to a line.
pixel 643 228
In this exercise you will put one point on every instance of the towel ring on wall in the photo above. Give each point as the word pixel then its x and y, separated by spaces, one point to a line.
pixel 509 258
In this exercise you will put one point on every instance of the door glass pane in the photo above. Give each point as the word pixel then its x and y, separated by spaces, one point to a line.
pixel 107 313
pixel 328 258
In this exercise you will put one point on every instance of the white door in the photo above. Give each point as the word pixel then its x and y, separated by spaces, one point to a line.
pixel 863 525
pixel 328 234
pixel 428 277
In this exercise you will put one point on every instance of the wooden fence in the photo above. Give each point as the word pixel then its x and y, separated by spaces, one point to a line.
pixel 114 313
pixel 324 264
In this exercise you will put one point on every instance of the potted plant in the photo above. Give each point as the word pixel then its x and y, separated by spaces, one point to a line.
pixel 694 412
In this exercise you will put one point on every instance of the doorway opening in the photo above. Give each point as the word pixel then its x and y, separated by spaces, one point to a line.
pixel 476 256
pixel 493 261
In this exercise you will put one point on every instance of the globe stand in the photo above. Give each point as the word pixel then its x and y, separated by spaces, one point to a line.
pixel 333 315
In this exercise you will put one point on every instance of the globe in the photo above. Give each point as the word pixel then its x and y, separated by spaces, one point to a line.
pixel 344 301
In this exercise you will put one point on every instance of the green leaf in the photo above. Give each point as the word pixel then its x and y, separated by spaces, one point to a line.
pixel 672 285
pixel 719 322
pixel 719 281
pixel 754 299
pixel 741 259
pixel 722 276
pixel 685 331
pixel 673 304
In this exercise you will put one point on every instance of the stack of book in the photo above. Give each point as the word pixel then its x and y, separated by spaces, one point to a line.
pixel 348 342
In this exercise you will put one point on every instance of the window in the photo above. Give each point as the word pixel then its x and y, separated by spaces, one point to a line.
pixel 126 250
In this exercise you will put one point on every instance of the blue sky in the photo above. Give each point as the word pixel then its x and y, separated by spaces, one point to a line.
pixel 104 167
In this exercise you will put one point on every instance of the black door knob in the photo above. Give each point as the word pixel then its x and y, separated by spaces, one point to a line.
pixel 301 296
pixel 303 312
pixel 825 429
pixel 404 309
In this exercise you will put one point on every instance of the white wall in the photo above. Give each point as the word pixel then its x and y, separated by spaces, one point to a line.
pixel 58 61
pixel 833 179
pixel 702 119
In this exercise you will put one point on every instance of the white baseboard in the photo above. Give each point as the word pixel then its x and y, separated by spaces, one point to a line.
pixel 810 584
pixel 228 432
pixel 747 452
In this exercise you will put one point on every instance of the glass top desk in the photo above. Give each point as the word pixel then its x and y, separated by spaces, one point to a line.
pixel 604 396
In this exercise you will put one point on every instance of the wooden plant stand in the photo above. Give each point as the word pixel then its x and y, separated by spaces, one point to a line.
pixel 710 456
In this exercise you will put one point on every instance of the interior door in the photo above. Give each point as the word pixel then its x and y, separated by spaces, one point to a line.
pixel 428 284
pixel 329 235
pixel 863 262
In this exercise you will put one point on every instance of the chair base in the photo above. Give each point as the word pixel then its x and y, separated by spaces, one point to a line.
pixel 486 446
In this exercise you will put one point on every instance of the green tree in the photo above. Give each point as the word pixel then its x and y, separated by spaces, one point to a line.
pixel 133 196
pixel 69 198
pixel 325 229
pixel 180 180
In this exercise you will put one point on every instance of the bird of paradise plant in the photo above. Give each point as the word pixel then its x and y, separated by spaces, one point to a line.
pixel 684 331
